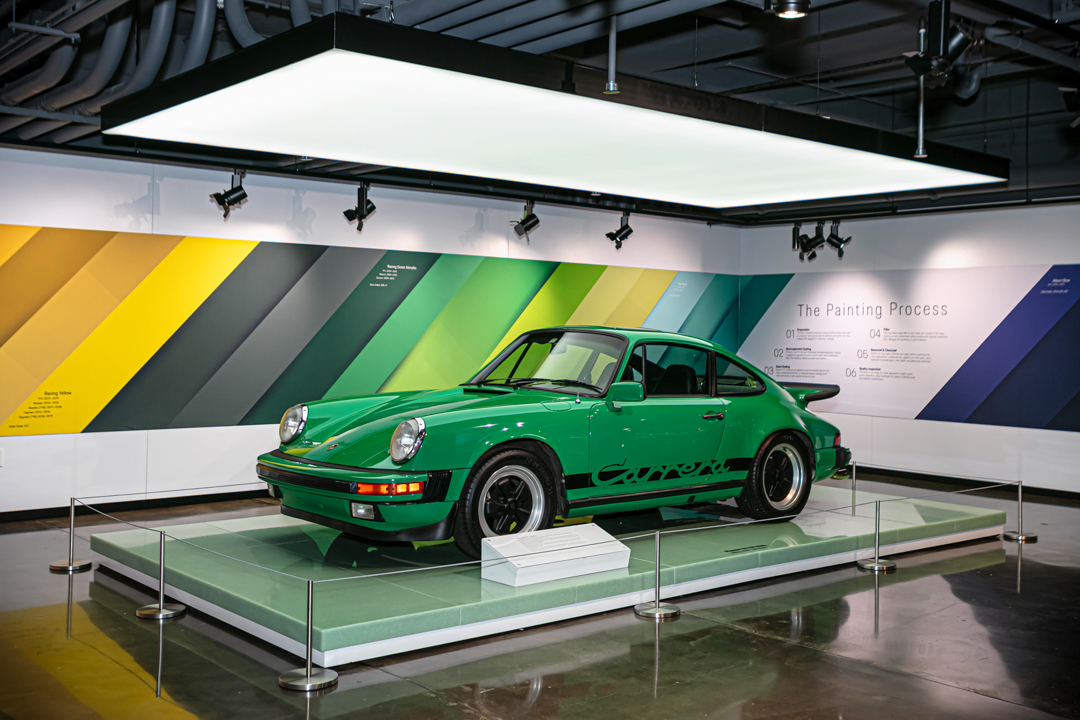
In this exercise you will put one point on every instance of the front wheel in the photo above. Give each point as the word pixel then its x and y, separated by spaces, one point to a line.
pixel 511 492
pixel 778 484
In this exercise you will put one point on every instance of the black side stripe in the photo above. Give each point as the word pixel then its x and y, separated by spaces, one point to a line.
pixel 654 494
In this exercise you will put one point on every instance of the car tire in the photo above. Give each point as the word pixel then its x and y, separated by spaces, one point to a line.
pixel 509 492
pixel 778 484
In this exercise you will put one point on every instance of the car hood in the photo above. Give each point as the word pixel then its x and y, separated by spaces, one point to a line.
pixel 356 432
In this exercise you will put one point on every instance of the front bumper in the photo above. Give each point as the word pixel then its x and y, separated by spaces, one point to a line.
pixel 324 495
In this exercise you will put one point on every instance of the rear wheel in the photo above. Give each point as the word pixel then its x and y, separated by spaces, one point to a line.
pixel 778 484
pixel 511 492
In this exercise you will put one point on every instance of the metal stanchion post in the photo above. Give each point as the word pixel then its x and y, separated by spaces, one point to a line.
pixel 308 678
pixel 160 656
pixel 1019 536
pixel 71 565
pixel 1019 565
pixel 71 598
pixel 161 610
pixel 853 486
pixel 877 565
pixel 657 610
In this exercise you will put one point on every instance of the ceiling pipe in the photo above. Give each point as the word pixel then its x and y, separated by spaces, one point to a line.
pixel 80 88
pixel 920 148
pixel 157 43
pixel 329 6
pixel 970 81
pixel 202 33
pixel 612 87
pixel 1002 37
pixel 40 80
pixel 239 25
pixel 299 12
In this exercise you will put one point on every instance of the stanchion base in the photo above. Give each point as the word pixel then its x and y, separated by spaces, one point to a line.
pixel 660 613
pixel 300 680
pixel 1021 538
pixel 153 612
pixel 77 565
pixel 877 566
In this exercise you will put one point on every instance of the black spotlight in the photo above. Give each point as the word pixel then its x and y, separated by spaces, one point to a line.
pixel 836 242
pixel 529 222
pixel 790 9
pixel 943 48
pixel 235 196
pixel 797 240
pixel 808 246
pixel 619 236
pixel 356 215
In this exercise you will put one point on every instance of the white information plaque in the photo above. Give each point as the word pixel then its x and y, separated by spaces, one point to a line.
pixel 544 555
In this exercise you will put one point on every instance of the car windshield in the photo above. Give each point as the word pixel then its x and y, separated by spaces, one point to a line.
pixel 556 360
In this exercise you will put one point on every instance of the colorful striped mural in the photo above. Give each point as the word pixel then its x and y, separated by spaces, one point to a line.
pixel 105 331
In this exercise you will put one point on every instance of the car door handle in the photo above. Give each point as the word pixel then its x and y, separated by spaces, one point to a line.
pixel 713 416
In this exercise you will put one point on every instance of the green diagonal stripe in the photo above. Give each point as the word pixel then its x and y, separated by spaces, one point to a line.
pixel 471 325
pixel 756 295
pixel 344 335
pixel 370 369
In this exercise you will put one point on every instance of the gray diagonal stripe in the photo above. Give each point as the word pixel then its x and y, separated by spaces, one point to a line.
pixel 244 377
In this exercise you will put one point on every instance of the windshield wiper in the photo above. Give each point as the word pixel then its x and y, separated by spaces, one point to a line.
pixel 572 383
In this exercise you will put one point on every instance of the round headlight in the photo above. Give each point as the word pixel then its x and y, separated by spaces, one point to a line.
pixel 292 423
pixel 406 440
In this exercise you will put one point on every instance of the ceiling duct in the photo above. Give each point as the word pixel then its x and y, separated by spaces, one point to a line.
pixel 202 33
pixel 157 43
pixel 80 88
pixel 40 80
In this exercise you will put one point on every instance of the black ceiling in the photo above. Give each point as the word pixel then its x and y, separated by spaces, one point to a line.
pixel 842 62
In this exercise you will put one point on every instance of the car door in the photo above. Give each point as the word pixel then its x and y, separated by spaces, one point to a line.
pixel 741 393
pixel 671 438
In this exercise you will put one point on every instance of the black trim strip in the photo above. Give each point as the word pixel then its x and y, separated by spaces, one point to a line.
pixel 654 494
pixel 350 468
pixel 442 530
pixel 319 483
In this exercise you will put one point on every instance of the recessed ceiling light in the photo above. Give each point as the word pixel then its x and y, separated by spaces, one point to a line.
pixel 480 105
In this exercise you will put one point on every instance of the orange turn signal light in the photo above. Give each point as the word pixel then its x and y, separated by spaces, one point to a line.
pixel 389 488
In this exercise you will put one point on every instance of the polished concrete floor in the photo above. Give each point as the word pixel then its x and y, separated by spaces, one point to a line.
pixel 981 630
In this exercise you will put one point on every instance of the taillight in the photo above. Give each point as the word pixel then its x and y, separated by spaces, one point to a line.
pixel 836 440
pixel 389 488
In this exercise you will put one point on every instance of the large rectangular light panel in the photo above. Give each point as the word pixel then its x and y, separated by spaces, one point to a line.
pixel 356 107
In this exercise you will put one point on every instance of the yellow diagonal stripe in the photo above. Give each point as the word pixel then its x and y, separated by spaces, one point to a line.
pixel 68 317
pixel 606 295
pixel 13 237
pixel 642 298
pixel 110 356
pixel 554 303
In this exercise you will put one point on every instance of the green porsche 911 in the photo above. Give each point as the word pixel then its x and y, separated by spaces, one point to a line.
pixel 565 421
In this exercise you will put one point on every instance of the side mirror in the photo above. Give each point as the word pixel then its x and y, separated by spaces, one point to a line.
pixel 624 392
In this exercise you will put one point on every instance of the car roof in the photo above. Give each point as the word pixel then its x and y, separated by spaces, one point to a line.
pixel 644 334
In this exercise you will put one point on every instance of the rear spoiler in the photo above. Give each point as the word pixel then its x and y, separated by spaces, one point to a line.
pixel 809 392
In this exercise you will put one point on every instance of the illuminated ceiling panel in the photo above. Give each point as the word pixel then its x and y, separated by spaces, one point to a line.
pixel 362 91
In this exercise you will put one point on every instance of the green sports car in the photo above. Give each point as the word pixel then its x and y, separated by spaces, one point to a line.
pixel 566 421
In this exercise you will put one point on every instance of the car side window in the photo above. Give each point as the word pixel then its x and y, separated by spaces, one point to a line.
pixel 670 370
pixel 732 379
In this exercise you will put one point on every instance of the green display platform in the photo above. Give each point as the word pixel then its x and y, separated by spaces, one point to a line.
pixel 221 569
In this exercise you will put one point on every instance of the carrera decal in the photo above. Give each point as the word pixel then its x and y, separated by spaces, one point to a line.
pixel 616 475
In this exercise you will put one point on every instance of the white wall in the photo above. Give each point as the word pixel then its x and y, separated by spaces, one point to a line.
pixel 1005 237
pixel 57 190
